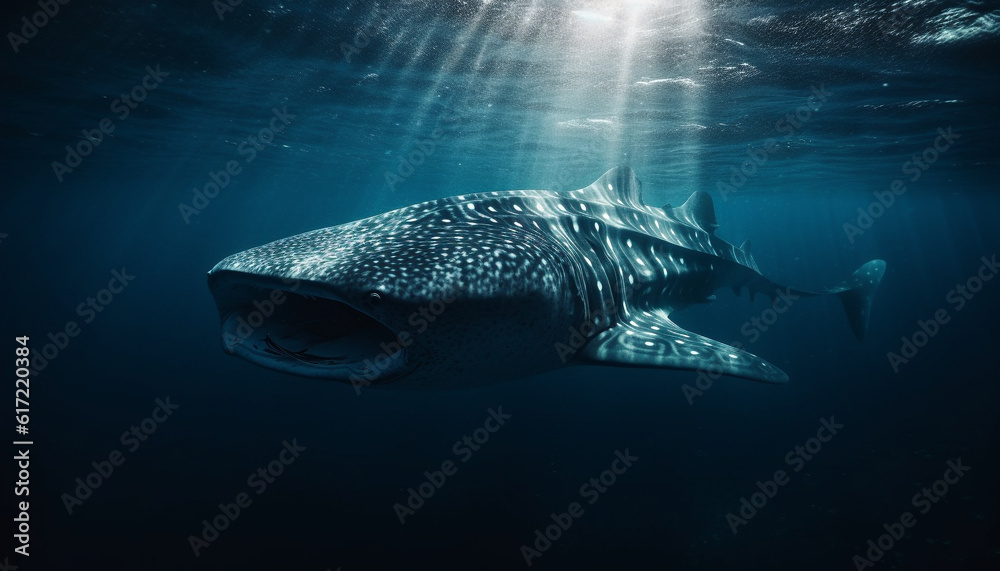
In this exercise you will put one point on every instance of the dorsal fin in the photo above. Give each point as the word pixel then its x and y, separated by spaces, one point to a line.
pixel 698 211
pixel 619 186
pixel 745 246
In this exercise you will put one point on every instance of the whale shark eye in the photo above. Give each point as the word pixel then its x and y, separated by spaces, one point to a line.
pixel 374 298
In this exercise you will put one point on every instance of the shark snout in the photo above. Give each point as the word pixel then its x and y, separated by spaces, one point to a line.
pixel 303 327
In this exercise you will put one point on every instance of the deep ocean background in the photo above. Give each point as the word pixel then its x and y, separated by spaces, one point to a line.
pixel 525 95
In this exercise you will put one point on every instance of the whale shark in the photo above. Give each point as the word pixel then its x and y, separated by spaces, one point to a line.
pixel 493 286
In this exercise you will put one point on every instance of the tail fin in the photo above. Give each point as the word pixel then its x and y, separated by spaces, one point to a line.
pixel 857 294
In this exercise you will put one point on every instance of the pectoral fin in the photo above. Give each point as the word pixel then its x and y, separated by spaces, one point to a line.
pixel 652 340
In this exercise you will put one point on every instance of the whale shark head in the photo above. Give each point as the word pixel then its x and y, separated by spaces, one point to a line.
pixel 311 305
pixel 490 286
pixel 372 301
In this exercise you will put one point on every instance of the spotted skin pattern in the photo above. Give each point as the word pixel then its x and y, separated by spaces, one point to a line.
pixel 507 279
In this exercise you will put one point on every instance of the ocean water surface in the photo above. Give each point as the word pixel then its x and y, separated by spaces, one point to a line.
pixel 142 142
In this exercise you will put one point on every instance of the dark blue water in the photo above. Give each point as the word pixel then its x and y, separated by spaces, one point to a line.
pixel 793 116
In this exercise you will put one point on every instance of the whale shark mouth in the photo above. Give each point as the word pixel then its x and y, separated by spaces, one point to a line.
pixel 300 328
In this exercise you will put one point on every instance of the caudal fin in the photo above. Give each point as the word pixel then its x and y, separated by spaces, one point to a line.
pixel 857 295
